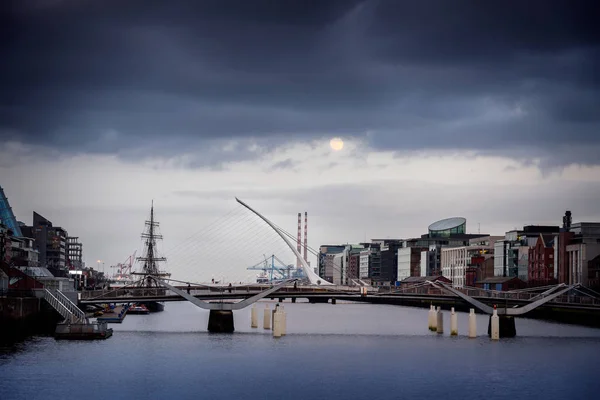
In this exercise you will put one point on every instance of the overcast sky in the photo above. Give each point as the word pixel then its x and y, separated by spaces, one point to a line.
pixel 487 110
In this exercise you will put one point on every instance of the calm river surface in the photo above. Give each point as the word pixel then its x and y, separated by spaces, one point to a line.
pixel 346 351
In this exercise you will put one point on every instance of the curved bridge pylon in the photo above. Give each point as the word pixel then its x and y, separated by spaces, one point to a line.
pixel 313 278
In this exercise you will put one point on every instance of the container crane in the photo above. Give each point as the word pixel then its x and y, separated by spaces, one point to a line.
pixel 271 271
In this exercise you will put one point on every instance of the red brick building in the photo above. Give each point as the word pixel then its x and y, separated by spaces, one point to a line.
pixel 481 267
pixel 353 266
pixel 540 270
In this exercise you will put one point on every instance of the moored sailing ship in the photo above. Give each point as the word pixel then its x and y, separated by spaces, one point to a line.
pixel 150 264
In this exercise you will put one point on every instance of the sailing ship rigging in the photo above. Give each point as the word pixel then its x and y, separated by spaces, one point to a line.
pixel 150 259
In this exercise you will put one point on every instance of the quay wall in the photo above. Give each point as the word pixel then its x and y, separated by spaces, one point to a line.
pixel 21 317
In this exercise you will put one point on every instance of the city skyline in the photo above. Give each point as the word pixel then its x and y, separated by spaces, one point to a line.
pixel 194 104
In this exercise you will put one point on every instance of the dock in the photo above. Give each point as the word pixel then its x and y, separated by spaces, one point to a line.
pixel 82 331
pixel 115 316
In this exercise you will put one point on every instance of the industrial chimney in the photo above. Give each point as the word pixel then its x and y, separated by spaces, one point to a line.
pixel 299 247
pixel 305 236
pixel 567 221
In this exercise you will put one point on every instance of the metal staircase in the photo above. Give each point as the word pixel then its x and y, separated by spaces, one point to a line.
pixel 65 307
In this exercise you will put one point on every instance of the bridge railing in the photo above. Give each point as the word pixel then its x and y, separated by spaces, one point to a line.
pixel 124 292
pixel 422 289
pixel 134 292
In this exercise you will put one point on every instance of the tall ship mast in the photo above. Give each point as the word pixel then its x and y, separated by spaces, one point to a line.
pixel 150 260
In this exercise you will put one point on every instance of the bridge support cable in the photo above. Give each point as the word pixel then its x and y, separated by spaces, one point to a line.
pixel 228 231
pixel 506 311
pixel 204 231
pixel 224 254
pixel 547 292
pixel 536 304
pixel 312 277
pixel 476 303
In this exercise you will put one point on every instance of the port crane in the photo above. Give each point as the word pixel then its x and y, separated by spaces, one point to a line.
pixel 124 268
pixel 272 271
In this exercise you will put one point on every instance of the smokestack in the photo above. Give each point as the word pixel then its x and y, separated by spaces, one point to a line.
pixel 567 220
pixel 298 264
pixel 305 236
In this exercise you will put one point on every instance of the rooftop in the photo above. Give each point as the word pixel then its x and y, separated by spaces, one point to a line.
pixel 418 279
pixel 447 223
pixel 498 279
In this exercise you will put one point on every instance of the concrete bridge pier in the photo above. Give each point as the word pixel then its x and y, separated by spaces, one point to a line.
pixel 220 321
pixel 508 328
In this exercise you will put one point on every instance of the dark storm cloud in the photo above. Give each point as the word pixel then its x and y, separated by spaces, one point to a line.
pixel 513 78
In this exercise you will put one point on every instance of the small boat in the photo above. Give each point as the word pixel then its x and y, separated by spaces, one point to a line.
pixel 138 309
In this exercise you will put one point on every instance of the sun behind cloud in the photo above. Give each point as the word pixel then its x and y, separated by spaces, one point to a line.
pixel 336 144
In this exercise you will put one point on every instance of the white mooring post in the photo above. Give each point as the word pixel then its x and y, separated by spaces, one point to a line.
pixel 440 320
pixel 276 309
pixel 495 325
pixel 472 324
pixel 283 321
pixel 453 323
pixel 431 316
pixel 253 317
pixel 267 318
pixel 277 323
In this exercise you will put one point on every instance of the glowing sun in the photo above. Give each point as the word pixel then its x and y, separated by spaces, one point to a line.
pixel 336 144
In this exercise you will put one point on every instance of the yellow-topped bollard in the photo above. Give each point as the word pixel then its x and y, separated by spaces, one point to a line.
pixel 453 323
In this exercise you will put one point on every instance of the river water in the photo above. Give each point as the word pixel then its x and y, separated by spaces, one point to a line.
pixel 344 351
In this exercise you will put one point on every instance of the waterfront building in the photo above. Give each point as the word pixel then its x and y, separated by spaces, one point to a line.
pixel 501 283
pixel 457 260
pixel 325 262
pixel 340 264
pixel 511 254
pixel 541 262
pixel 74 252
pixel 482 267
pixel 409 262
pixel 449 232
pixel 594 273
pixel 353 257
pixel 5 243
pixel 7 217
pixel 448 227
pixel 582 250
pixel 384 261
pixel 23 252
pixel 51 243
pixel 375 264
pixel 363 265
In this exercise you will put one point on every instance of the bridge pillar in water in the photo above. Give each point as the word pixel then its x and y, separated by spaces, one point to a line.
pixel 220 321
pixel 293 299
pixel 333 301
pixel 507 326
